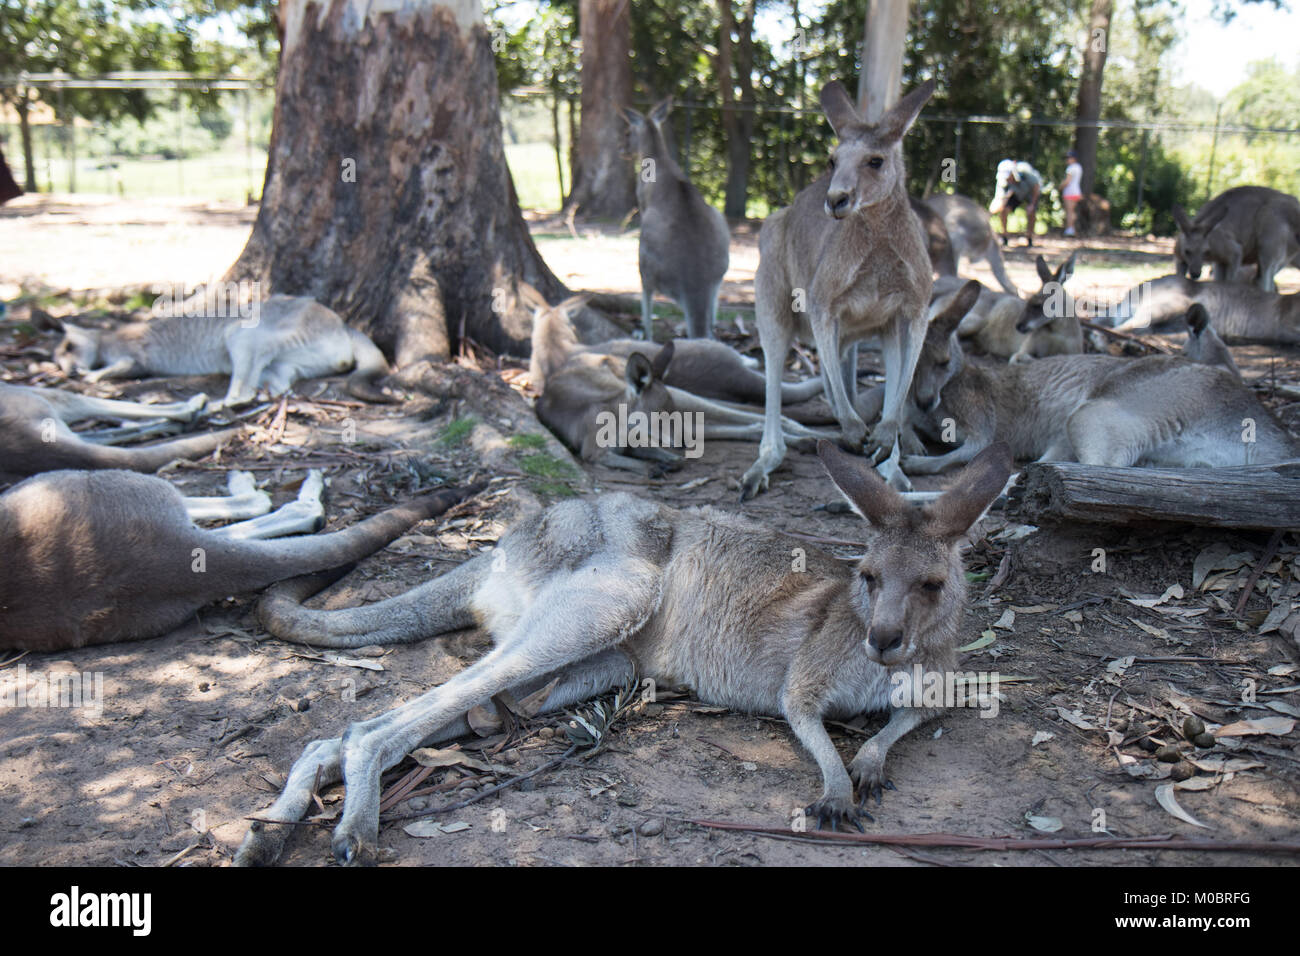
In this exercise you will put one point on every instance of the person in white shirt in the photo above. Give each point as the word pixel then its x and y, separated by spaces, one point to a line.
pixel 1070 191
pixel 1018 184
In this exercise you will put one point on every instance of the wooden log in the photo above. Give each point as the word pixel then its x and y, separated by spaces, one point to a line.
pixel 1255 496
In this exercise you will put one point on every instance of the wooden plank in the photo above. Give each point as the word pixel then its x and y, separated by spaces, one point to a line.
pixel 1256 497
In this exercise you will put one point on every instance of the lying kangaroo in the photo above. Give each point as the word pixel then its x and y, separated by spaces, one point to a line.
pixel 1241 226
pixel 291 338
pixel 598 592
pixel 98 556
pixel 35 437
pixel 1241 314
pixel 1019 330
pixel 844 262
pixel 1160 411
pixel 685 245
pixel 971 234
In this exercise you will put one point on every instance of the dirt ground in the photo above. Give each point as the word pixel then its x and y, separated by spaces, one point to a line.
pixel 198 727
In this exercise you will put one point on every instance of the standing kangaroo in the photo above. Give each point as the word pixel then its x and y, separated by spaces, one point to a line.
pixel 92 557
pixel 1017 329
pixel 1161 411
pixel 291 338
pixel 844 262
pixel 971 234
pixel 1241 314
pixel 35 437
pixel 595 593
pixel 685 245
pixel 1244 225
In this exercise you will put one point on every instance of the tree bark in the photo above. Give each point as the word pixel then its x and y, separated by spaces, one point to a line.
pixel 882 57
pixel 387 196
pixel 735 62
pixel 25 127
pixel 1094 64
pixel 1258 496
pixel 603 184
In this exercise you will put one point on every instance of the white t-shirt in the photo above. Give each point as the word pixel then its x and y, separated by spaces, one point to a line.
pixel 1073 176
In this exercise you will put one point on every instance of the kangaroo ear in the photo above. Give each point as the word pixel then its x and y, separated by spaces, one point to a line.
pixel 1044 270
pixel 865 491
pixel 976 488
pixel 640 373
pixel 661 110
pixel 1197 318
pixel 839 108
pixel 961 303
pixel 1064 273
pixel 532 298
pixel 1214 218
pixel 660 365
pixel 574 303
pixel 1180 217
pixel 46 322
pixel 895 123
pixel 631 116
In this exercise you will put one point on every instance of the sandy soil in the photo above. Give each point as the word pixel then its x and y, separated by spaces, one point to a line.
pixel 198 726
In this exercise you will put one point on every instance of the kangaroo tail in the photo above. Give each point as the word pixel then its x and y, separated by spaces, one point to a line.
pixel 370 367
pixel 146 458
pixel 439 606
pixel 999 267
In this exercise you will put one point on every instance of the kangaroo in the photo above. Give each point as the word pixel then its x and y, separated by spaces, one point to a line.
pixel 846 261
pixel 685 244
pixel 598 592
pixel 35 437
pixel 971 234
pixel 1020 330
pixel 1159 411
pixel 290 338
pixel 1241 226
pixel 938 244
pixel 1241 314
pixel 93 557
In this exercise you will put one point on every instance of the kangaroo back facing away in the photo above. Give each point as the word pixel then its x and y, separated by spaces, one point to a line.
pixel 1241 314
pixel 971 234
pixel 590 594
pixel 96 557
pixel 685 245
pixel 34 438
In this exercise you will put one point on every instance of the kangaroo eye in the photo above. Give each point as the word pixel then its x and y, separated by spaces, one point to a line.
pixel 875 162
pixel 933 587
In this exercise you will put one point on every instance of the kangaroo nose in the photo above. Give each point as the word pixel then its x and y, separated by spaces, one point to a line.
pixel 838 202
pixel 884 641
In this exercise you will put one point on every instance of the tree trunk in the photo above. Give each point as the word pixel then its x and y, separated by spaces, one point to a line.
pixel 735 63
pixel 25 126
pixel 1094 63
pixel 882 57
pixel 387 196
pixel 602 178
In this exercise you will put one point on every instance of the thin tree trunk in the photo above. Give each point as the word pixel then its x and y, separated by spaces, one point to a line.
pixel 387 195
pixel 25 127
pixel 882 57
pixel 1094 63
pixel 735 63
pixel 602 178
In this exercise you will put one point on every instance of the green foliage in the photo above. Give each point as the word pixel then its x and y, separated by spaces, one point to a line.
pixel 457 431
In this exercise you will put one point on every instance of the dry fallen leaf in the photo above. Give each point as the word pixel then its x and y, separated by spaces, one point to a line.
pixel 1277 726
pixel 1040 737
pixel 1075 717
pixel 1165 797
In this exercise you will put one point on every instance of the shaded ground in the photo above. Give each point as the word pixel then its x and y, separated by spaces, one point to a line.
pixel 198 726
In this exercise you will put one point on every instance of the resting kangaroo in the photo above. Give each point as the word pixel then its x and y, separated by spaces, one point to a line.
pixel 971 234
pixel 1015 329
pixel 846 261
pixel 1161 411
pixel 292 338
pixel 1240 226
pixel 598 592
pixel 1241 314
pixel 35 437
pixel 98 556
pixel 685 245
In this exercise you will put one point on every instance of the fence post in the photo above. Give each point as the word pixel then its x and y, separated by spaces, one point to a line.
pixel 1214 146
pixel 1142 170
pixel 956 150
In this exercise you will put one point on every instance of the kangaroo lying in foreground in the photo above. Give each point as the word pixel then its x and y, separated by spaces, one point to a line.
pixel 685 245
pixel 1163 411
pixel 291 338
pixel 1241 314
pixel 1246 225
pixel 93 557
pixel 598 592
pixel 1019 330
pixel 844 262
pixel 35 437
pixel 971 234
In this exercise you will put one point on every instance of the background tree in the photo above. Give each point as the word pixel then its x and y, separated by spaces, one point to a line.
pixel 1089 109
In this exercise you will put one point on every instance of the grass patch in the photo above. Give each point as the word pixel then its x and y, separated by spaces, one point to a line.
pixel 542 465
pixel 457 431
pixel 553 489
pixel 530 441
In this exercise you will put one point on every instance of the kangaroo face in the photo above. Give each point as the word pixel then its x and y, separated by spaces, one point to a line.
pixel 1189 250
pixel 1051 302
pixel 79 350
pixel 867 164
pixel 941 355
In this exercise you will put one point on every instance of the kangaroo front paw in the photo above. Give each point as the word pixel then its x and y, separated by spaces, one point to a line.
pixel 867 771
pixel 837 811
pixel 754 482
